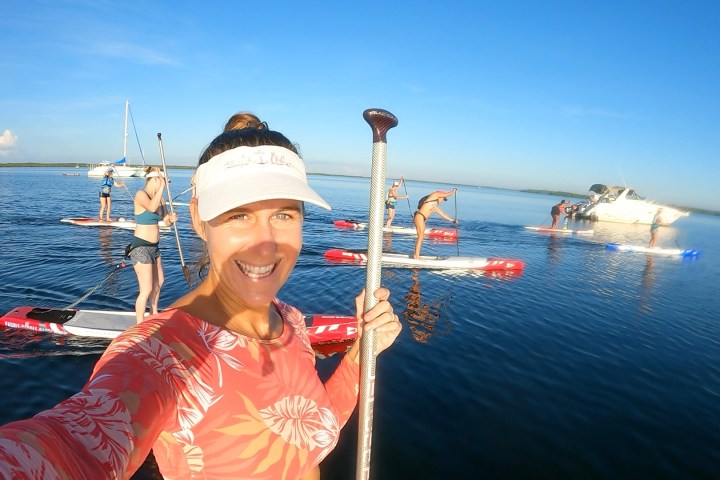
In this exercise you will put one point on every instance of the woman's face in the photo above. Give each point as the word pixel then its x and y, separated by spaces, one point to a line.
pixel 253 249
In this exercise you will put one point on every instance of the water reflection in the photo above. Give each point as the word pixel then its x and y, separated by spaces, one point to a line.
pixel 113 255
pixel 647 284
pixel 388 242
pixel 554 248
pixel 425 319
pixel 106 245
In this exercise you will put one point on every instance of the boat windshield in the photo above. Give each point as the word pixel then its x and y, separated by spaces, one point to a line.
pixel 632 194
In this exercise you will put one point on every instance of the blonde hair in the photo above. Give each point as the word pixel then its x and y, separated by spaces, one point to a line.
pixel 244 120
pixel 149 169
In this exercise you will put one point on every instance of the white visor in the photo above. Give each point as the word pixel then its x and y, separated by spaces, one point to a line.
pixel 250 174
pixel 155 174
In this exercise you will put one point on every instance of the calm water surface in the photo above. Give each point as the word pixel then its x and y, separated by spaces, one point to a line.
pixel 590 364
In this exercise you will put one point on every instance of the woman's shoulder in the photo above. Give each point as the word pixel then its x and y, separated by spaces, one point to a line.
pixel 168 324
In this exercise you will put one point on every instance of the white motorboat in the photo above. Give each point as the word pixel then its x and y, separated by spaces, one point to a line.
pixel 120 167
pixel 622 205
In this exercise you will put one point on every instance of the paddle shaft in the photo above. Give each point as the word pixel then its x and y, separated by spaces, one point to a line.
pixel 172 210
pixel 183 192
pixel 407 197
pixel 380 122
pixel 457 233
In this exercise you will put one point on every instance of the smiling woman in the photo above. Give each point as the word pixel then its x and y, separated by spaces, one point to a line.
pixel 223 383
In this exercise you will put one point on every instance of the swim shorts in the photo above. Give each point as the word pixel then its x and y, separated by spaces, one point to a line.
pixel 144 254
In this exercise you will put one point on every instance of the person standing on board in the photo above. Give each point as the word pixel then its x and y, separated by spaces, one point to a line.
pixel 391 201
pixel 144 251
pixel 105 189
pixel 654 227
pixel 428 205
pixel 222 384
pixel 556 211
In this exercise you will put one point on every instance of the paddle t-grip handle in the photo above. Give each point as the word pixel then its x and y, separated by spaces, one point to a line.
pixel 380 122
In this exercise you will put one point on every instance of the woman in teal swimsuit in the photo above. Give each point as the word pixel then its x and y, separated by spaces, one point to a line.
pixel 391 201
pixel 654 227
pixel 144 250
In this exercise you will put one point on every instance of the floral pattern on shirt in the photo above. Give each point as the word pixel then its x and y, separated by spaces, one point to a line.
pixel 211 404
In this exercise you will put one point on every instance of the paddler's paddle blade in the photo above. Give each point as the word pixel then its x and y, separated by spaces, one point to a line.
pixel 186 274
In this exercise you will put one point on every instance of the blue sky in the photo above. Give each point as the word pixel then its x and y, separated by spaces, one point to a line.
pixel 553 95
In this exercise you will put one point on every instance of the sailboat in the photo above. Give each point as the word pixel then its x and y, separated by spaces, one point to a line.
pixel 120 167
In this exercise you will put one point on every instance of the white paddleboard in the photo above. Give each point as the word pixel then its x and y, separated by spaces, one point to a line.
pixel 407 261
pixel 654 251
pixel 115 223
pixel 322 328
pixel 566 231
pixel 430 232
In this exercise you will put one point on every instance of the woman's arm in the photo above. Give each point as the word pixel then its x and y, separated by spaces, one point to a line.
pixel 150 204
pixel 444 215
pixel 343 384
pixel 104 431
pixel 446 194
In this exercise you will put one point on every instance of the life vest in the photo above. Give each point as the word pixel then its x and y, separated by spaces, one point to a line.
pixel 106 185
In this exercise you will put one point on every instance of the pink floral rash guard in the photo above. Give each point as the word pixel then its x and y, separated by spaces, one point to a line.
pixel 210 403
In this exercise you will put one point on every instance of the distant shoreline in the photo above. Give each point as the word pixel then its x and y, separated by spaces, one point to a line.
pixel 539 192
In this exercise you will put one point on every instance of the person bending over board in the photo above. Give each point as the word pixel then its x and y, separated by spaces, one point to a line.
pixel 144 250
pixel 556 210
pixel 655 227
pixel 428 205
pixel 222 384
pixel 106 185
pixel 391 201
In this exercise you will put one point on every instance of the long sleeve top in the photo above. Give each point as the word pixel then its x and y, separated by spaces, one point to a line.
pixel 210 403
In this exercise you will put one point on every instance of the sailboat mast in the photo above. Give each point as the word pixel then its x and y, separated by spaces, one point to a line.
pixel 125 134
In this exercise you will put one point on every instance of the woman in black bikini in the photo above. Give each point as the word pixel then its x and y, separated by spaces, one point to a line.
pixel 428 205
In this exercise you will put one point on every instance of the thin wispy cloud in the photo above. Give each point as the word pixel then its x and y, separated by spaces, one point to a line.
pixel 591 112
pixel 415 88
pixel 129 51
